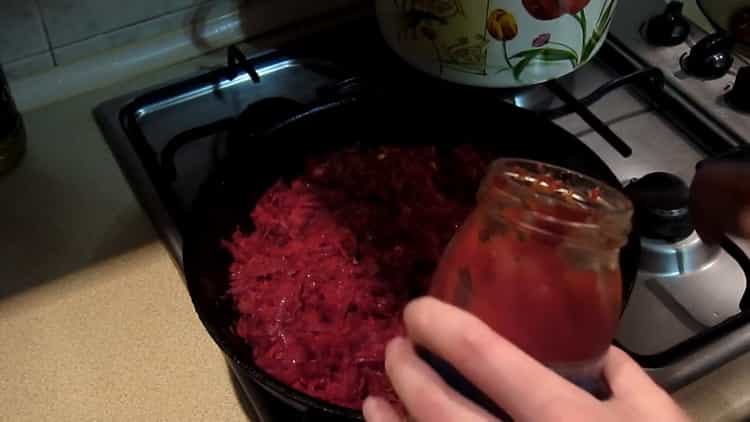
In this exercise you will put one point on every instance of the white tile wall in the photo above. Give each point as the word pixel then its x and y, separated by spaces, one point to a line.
pixel 143 30
pixel 69 21
pixel 29 65
pixel 21 30
pixel 36 35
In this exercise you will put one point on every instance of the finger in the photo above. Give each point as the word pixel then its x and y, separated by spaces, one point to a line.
pixel 516 382
pixel 634 392
pixel 624 376
pixel 378 410
pixel 426 396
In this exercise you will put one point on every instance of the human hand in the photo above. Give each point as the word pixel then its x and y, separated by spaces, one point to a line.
pixel 523 387
pixel 720 200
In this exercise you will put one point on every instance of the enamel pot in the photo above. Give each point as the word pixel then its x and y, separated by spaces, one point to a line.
pixel 496 43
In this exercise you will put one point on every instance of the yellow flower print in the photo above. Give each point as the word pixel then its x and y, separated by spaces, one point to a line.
pixel 502 25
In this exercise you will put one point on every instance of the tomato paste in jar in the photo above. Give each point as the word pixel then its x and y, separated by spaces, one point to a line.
pixel 538 261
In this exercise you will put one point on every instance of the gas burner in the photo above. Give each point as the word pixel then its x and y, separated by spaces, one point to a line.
pixel 696 286
pixel 661 206
pixel 669 28
pixel 710 58
pixel 675 259
pixel 670 247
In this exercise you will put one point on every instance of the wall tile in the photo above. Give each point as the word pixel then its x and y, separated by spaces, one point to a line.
pixel 141 31
pixel 29 65
pixel 24 49
pixel 21 30
pixel 73 20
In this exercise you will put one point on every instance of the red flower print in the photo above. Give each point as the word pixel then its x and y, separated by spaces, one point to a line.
pixel 552 9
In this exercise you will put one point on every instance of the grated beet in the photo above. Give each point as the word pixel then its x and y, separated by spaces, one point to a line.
pixel 336 254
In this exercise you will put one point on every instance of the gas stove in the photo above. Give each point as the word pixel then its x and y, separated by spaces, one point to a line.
pixel 636 106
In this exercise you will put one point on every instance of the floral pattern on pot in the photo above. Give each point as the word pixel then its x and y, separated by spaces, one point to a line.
pixel 518 43
pixel 552 9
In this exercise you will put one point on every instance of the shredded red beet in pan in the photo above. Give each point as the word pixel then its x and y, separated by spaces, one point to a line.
pixel 321 282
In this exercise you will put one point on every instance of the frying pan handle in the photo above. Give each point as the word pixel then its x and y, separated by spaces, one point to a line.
pixel 344 89
pixel 169 152
pixel 270 110
pixel 256 118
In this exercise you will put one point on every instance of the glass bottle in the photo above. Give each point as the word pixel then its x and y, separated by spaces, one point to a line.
pixel 12 132
pixel 538 261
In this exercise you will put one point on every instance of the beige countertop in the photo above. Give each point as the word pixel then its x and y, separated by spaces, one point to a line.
pixel 95 321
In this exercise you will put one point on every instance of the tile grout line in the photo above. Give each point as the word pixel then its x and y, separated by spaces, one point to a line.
pixel 46 33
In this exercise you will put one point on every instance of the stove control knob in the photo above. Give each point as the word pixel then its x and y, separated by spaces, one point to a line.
pixel 710 58
pixel 661 206
pixel 670 28
pixel 739 96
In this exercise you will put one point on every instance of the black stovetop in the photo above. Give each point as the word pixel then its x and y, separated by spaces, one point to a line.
pixel 308 71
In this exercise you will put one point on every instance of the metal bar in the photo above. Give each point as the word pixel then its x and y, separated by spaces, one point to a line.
pixel 589 117
pixel 651 75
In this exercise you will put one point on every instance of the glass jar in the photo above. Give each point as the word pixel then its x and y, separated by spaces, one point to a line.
pixel 538 261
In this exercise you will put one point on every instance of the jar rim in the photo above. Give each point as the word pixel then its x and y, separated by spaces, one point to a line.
pixel 554 195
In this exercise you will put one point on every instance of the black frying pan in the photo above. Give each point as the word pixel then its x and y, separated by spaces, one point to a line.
pixel 389 117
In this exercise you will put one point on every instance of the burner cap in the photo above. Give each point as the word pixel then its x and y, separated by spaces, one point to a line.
pixel 661 206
